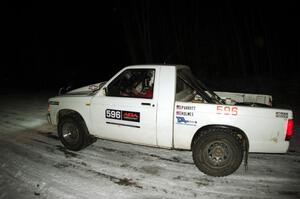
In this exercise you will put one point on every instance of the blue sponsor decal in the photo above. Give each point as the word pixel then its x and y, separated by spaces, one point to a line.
pixel 182 120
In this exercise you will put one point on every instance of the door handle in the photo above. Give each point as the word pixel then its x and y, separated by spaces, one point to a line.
pixel 146 104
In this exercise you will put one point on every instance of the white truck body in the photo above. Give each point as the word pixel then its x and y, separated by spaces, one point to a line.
pixel 170 119
pixel 166 106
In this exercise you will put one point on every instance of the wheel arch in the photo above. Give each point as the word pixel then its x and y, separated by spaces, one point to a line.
pixel 235 130
pixel 64 112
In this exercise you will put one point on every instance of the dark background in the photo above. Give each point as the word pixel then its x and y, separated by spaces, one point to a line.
pixel 237 46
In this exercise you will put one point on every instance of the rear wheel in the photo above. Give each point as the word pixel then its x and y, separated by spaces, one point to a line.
pixel 72 132
pixel 217 152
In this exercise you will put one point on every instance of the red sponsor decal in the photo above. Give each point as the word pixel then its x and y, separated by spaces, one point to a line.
pixel 130 115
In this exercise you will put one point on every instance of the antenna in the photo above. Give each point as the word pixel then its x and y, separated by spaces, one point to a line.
pixel 172 53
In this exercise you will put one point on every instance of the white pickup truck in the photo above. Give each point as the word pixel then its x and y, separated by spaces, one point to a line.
pixel 166 106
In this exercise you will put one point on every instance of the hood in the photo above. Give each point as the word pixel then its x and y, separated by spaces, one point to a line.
pixel 86 90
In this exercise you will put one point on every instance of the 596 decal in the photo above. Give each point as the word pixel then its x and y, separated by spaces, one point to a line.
pixel 122 115
pixel 113 114
pixel 227 110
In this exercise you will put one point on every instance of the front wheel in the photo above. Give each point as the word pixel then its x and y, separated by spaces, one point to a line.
pixel 217 152
pixel 72 132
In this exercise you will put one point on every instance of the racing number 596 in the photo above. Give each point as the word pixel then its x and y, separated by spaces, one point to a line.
pixel 227 110
pixel 113 114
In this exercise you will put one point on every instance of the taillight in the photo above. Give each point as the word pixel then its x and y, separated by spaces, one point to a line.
pixel 289 129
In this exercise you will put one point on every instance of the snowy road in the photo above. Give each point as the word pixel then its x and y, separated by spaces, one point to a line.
pixel 34 164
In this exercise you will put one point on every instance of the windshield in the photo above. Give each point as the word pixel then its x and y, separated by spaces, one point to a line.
pixel 208 95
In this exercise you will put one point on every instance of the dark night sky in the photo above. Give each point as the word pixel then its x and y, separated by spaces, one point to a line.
pixel 46 44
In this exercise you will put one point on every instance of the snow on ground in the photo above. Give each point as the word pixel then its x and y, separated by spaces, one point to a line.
pixel 34 164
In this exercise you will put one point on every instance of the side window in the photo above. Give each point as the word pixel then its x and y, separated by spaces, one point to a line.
pixel 183 91
pixel 138 83
pixel 179 85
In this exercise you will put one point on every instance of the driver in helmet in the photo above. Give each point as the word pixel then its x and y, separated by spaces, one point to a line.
pixel 145 87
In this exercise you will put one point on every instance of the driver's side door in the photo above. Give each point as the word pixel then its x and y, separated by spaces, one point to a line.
pixel 123 117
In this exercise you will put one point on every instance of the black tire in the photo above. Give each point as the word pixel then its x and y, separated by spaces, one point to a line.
pixel 73 132
pixel 217 152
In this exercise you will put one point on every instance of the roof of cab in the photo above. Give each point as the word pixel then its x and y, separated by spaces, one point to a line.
pixel 157 65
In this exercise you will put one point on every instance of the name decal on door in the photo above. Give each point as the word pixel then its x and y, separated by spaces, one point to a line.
pixel 122 115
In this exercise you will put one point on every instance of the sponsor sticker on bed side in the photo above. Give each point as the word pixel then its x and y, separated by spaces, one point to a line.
pixel 184 121
pixel 189 108
pixel 185 113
